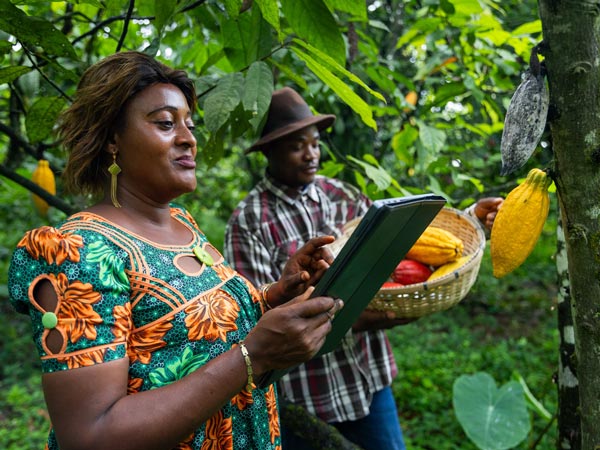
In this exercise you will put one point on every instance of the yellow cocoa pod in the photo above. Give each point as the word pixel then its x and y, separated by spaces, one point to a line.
pixel 436 247
pixel 43 177
pixel 449 267
pixel 519 223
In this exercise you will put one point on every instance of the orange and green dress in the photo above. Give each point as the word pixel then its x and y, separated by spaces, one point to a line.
pixel 120 295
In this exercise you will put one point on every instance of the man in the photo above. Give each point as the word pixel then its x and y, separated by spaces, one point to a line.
pixel 348 388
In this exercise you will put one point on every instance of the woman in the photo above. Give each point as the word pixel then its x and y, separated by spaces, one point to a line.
pixel 148 338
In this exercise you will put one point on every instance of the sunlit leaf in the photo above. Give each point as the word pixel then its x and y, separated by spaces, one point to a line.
pixel 221 101
pixel 34 30
pixel 494 419
pixel 333 66
pixel 257 92
pixel 313 22
pixel 232 7
pixel 270 12
pixel 340 88
pixel 357 10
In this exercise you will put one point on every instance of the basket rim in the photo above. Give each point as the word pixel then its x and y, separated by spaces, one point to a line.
pixel 474 260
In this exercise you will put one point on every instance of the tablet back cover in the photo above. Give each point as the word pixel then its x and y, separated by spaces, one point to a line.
pixel 382 238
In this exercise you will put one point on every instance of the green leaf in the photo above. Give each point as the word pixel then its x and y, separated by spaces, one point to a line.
pixel 313 22
pixel 222 101
pixel 288 72
pixel 431 138
pixel 494 419
pixel 340 88
pixel 34 30
pixel 270 12
pixel 10 74
pixel 257 92
pixel 358 10
pixel 376 173
pixel 231 6
pixel 42 116
pixel 162 13
pixel 246 39
pixel 402 143
pixel 332 65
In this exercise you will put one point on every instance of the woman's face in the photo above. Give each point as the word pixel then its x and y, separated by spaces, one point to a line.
pixel 294 160
pixel 156 147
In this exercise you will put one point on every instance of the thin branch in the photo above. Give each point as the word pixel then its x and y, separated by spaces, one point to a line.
pixel 37 190
pixel 125 25
pixel 18 139
pixel 36 67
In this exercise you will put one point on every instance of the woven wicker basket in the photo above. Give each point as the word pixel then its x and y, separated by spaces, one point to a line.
pixel 421 299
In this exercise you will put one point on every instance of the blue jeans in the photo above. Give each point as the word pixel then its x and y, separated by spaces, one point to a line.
pixel 379 430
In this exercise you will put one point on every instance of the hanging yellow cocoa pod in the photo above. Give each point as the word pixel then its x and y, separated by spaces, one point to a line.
pixel 519 223
pixel 43 177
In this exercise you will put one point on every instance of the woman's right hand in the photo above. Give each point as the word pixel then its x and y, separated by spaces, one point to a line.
pixel 291 333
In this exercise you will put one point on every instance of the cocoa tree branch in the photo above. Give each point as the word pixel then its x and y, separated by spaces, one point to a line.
pixel 312 429
pixel 37 190
pixel 125 25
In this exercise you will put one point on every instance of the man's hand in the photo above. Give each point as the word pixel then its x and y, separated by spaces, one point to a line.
pixel 486 210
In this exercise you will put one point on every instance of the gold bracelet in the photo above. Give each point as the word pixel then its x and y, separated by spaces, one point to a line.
pixel 263 295
pixel 246 356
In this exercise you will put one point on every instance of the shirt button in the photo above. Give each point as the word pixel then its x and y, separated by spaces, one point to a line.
pixel 49 320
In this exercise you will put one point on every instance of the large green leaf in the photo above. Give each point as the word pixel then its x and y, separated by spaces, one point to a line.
pixel 340 88
pixel 246 38
pixel 332 65
pixel 34 30
pixel 374 171
pixel 270 12
pixel 222 101
pixel 358 10
pixel 9 74
pixel 231 6
pixel 162 13
pixel 41 117
pixel 494 419
pixel 257 92
pixel 313 22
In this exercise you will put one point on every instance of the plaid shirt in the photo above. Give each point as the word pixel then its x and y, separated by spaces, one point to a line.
pixel 266 228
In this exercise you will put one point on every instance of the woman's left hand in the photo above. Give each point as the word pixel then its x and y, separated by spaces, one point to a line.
pixel 304 268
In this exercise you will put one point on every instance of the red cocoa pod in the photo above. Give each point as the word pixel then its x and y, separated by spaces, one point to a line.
pixel 409 271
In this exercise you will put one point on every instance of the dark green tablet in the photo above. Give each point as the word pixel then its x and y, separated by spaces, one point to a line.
pixel 384 235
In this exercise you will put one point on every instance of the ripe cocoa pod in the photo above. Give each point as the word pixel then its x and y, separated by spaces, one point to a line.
pixel 519 223
pixel 43 177
pixel 410 272
pixel 436 247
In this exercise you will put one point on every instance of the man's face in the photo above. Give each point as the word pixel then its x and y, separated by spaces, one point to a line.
pixel 294 159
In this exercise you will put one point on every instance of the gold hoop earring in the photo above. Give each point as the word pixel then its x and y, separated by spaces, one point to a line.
pixel 114 170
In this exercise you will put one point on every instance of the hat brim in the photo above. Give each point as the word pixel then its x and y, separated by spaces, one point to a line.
pixel 321 121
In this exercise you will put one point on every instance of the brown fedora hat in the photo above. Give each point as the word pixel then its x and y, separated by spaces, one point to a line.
pixel 288 113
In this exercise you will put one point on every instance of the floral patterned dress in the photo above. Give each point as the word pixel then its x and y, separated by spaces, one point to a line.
pixel 120 295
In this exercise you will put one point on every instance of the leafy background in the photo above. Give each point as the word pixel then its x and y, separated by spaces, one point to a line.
pixel 461 59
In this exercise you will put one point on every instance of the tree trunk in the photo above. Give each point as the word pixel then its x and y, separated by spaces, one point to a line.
pixel 569 421
pixel 571 56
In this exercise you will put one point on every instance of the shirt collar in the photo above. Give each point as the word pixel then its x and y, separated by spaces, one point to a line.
pixel 283 191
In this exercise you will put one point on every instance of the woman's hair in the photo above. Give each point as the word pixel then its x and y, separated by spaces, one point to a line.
pixel 88 125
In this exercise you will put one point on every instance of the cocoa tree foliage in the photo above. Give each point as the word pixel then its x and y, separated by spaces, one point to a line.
pixel 359 60
pixel 355 59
